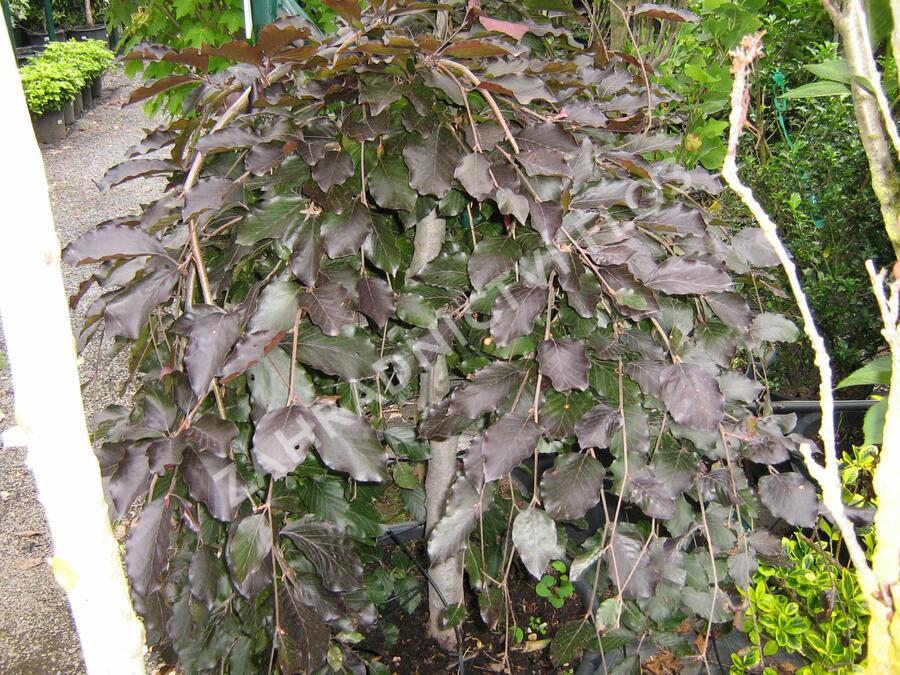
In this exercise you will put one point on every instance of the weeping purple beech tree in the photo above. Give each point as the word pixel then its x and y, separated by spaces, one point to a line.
pixel 448 231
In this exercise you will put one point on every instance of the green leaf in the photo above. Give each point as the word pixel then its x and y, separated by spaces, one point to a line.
pixel 873 423
pixel 382 245
pixel 550 5
pixel 877 371
pixel 269 377
pixel 276 308
pixel 329 549
pixel 571 641
pixel 248 550
pixel 389 184
pixel 837 70
pixel 351 355
pixel 454 615
pixel 817 89
pixel 272 219
pixel 404 476
pixel 413 309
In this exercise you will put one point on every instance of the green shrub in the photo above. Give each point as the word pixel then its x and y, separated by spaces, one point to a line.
pixel 812 605
pixel 89 57
pixel 832 224
pixel 49 86
pixel 61 71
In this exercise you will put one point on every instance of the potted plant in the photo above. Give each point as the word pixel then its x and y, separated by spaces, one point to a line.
pixel 89 57
pixel 89 30
pixel 49 87
pixel 41 38
pixel 100 58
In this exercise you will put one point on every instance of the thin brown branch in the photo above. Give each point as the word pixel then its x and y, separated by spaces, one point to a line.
pixel 471 77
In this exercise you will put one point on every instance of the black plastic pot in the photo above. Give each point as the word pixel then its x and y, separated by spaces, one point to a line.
pixel 87 99
pixel 49 127
pixel 88 33
pixel 25 54
pixel 97 88
pixel 20 36
pixel 68 112
pixel 40 39
pixel 78 105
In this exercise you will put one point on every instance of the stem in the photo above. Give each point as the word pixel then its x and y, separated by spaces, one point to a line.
pixel 208 299
pixel 471 77
pixel 294 345
pixel 277 628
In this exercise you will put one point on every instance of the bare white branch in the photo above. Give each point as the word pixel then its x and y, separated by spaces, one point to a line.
pixel 828 476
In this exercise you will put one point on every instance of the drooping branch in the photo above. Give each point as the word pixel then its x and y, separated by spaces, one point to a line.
pixel 471 77
pixel 196 251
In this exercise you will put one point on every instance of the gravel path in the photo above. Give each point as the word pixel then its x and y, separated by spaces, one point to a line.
pixel 36 632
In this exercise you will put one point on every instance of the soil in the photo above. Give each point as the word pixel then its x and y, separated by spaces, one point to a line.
pixel 415 653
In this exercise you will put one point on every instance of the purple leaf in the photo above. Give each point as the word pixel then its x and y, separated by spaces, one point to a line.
pixel 514 312
pixel 215 482
pixel 330 551
pixel 111 242
pixel 692 396
pixel 572 486
pixel 685 276
pixel 507 443
pixel 282 439
pixel 212 337
pixel 147 547
pixel 565 363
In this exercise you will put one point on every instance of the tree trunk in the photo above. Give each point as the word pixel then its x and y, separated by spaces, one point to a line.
pixel 88 14
pixel 618 29
pixel 448 575
pixel 49 410
pixel 885 179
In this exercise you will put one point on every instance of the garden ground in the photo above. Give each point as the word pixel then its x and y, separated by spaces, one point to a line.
pixel 36 632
